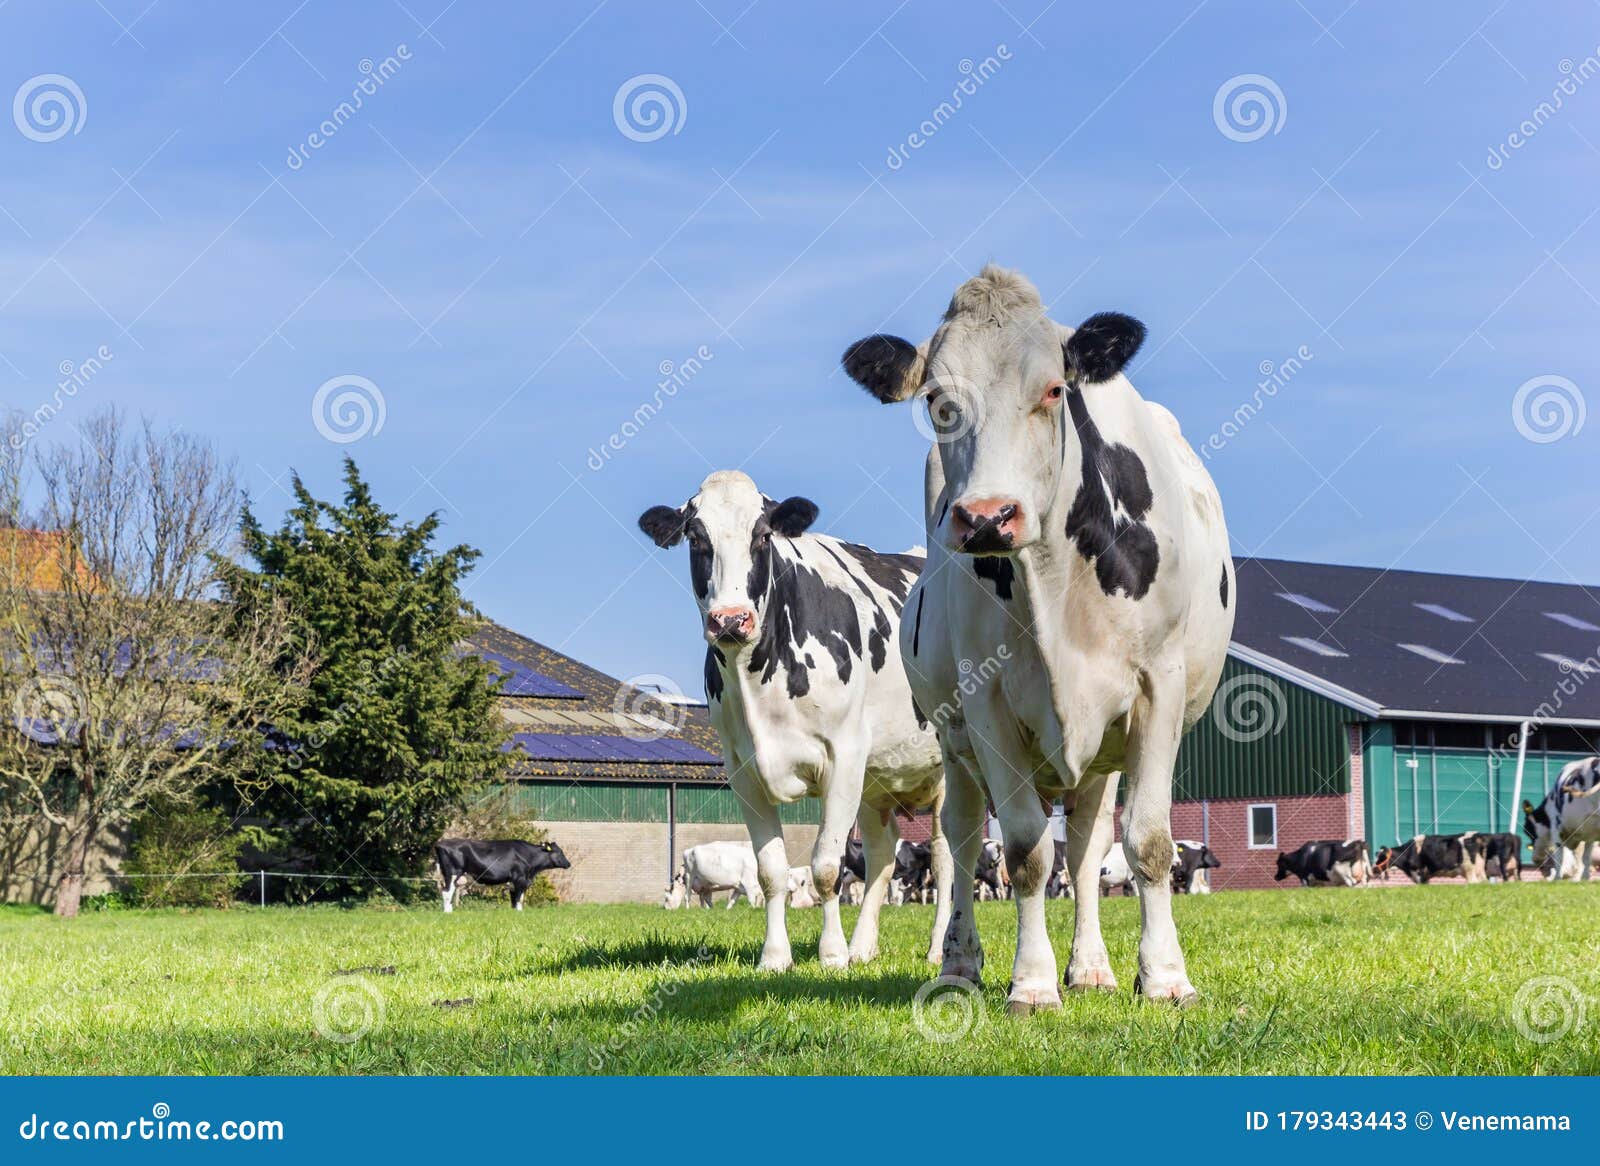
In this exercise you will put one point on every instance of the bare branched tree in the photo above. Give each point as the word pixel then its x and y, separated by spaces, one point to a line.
pixel 122 680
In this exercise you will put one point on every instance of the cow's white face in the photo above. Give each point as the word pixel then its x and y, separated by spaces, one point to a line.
pixel 730 526
pixel 1006 389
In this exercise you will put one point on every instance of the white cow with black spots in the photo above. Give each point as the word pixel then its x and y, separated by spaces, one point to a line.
pixel 1074 533
pixel 1569 816
pixel 807 691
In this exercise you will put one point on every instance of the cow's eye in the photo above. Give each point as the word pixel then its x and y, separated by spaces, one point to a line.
pixel 1052 393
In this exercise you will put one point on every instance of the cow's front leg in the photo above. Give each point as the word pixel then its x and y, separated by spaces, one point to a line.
pixel 1586 857
pixel 963 817
pixel 878 836
pixel 772 867
pixel 841 801
pixel 1089 830
pixel 943 867
pixel 517 891
pixel 1157 723
pixel 449 893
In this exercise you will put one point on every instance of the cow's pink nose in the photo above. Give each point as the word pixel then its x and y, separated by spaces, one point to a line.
pixel 730 622
pixel 985 525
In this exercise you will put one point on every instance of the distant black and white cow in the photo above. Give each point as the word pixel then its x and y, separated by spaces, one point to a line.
pixel 1192 867
pixel 913 872
pixel 1569 816
pixel 1075 539
pixel 494 864
pixel 1502 856
pixel 1431 856
pixel 986 876
pixel 712 867
pixel 1327 863
pixel 808 694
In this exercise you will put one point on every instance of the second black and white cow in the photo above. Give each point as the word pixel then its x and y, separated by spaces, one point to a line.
pixel 1192 867
pixel 1327 862
pixel 492 864
pixel 1431 856
pixel 1502 856
pixel 808 693
pixel 1569 816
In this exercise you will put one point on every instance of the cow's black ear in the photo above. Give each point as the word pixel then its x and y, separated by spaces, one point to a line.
pixel 886 366
pixel 1101 347
pixel 1527 806
pixel 793 516
pixel 664 524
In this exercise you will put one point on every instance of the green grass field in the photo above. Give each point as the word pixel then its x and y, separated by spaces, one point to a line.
pixel 1402 980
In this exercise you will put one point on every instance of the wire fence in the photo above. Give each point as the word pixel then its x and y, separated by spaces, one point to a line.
pixel 257 880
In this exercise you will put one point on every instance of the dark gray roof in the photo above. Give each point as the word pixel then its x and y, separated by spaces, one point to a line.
pixel 1383 641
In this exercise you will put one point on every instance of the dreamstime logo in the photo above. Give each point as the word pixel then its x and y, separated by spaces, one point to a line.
pixel 1548 408
pixel 49 107
pixel 75 377
pixel 947 417
pixel 674 377
pixel 1249 707
pixel 946 1009
pixel 641 700
pixel 347 1009
pixel 348 408
pixel 1249 107
pixel 49 700
pixel 1547 1008
pixel 374 75
pixel 974 75
pixel 649 107
pixel 1274 378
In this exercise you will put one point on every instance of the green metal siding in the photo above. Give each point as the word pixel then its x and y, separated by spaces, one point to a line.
pixel 1298 746
pixel 574 801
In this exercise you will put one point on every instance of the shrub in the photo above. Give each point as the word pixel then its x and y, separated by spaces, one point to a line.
pixel 189 842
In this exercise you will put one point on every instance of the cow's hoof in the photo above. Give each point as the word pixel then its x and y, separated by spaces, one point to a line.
pixel 962 967
pixel 834 959
pixel 863 955
pixel 1027 1001
pixel 1177 992
pixel 1091 980
pixel 776 961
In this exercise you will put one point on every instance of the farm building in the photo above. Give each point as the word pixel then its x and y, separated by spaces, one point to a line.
pixel 1359 702
pixel 624 778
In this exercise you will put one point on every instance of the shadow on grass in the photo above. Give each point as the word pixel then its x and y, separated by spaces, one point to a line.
pixel 652 950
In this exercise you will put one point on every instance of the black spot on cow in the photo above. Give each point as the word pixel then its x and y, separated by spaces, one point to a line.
pixel 802 606
pixel 1106 520
pixel 922 721
pixel 998 571
pixel 888 574
pixel 714 662
pixel 916 628
pixel 1224 586
pixel 894 573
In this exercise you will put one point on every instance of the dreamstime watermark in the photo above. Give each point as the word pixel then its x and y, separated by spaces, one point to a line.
pixel 1573 78
pixel 346 1009
pixel 946 1008
pixel 75 377
pixel 50 700
pixel 646 1013
pixel 347 408
pixel 1248 107
pixel 1274 378
pixel 1547 1008
pixel 49 107
pixel 974 75
pixel 640 702
pixel 674 377
pixel 374 76
pixel 949 416
pixel 1249 707
pixel 1548 408
pixel 648 107
pixel 160 1126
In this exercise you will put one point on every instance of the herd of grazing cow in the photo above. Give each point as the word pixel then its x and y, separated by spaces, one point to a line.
pixel 1068 621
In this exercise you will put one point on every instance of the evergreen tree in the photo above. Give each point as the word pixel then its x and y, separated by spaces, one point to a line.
pixel 397 727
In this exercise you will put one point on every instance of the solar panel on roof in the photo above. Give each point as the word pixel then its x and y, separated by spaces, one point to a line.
pixel 1566 663
pixel 607 747
pixel 520 680
pixel 1428 653
pixel 1316 646
pixel 1572 621
pixel 1444 612
pixel 1307 602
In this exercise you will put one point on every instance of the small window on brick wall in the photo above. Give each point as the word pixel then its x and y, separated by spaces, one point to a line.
pixel 1263 826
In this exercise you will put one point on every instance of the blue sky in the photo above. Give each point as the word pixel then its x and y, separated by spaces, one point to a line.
pixel 482 243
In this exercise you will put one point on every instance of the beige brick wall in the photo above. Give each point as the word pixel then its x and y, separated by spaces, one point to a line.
pixel 626 862
pixel 31 860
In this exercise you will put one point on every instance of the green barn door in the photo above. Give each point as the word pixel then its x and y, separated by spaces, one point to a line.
pixel 1461 791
